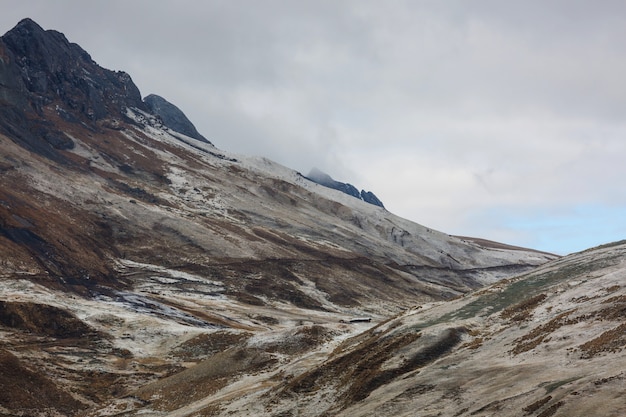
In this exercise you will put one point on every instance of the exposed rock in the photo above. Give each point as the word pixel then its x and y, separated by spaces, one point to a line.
pixel 370 197
pixel 172 117
pixel 326 180
pixel 41 72
pixel 53 70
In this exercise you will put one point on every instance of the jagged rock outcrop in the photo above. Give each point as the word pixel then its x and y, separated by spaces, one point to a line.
pixel 53 70
pixel 172 117
pixel 370 197
pixel 42 73
pixel 326 180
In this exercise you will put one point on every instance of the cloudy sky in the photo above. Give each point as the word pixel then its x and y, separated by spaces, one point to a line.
pixel 499 119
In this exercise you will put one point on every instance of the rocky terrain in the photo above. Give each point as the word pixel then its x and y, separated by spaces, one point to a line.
pixel 326 180
pixel 143 271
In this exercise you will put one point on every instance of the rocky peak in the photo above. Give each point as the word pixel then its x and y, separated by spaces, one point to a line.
pixel 52 69
pixel 326 180
pixel 172 116
pixel 370 197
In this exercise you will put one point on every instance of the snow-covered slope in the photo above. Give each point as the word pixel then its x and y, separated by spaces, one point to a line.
pixel 403 241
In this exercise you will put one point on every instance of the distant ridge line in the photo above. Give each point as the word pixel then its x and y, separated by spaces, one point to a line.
pixel 497 245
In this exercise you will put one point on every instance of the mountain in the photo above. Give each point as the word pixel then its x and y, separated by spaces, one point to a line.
pixel 144 269
pixel 326 180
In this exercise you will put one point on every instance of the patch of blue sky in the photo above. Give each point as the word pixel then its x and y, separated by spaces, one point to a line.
pixel 565 230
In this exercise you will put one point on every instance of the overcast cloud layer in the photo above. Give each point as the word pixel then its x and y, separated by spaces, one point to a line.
pixel 498 119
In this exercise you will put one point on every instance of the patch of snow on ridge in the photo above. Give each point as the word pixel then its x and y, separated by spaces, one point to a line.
pixel 139 303
pixel 152 126
pixel 197 196
pixel 177 177
pixel 141 333
pixel 418 238
pixel 275 170
pixel 126 263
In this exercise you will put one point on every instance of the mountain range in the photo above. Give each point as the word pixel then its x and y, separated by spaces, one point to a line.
pixel 143 271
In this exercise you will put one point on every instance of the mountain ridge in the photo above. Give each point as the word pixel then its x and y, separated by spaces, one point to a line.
pixel 326 180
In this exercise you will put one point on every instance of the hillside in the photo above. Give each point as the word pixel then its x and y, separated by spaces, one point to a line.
pixel 548 343
pixel 551 342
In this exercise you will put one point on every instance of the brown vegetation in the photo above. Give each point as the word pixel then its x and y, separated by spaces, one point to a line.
pixel 522 310
pixel 550 411
pixel 43 319
pixel 203 379
pixel 360 371
pixel 208 344
pixel 616 310
pixel 475 343
pixel 536 405
pixel 611 341
pixel 304 339
pixel 540 333
pixel 25 390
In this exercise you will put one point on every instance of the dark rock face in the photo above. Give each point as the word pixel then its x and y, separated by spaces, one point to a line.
pixel 41 71
pixel 369 197
pixel 326 180
pixel 172 116
pixel 47 68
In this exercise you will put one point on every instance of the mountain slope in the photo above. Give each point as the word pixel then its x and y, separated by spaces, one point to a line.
pixel 551 342
pixel 131 253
